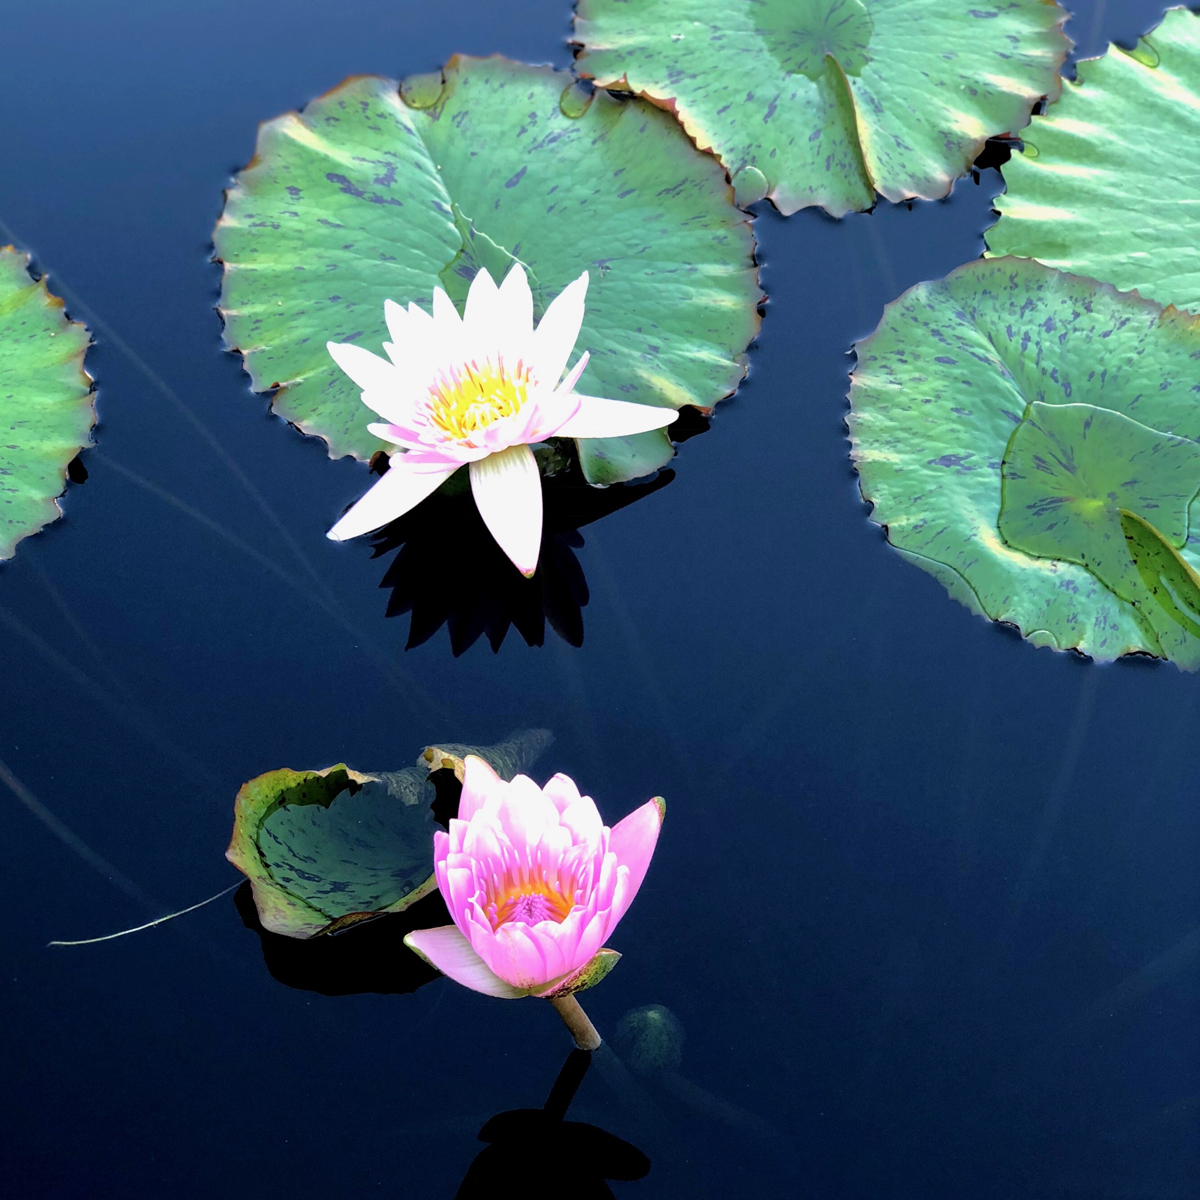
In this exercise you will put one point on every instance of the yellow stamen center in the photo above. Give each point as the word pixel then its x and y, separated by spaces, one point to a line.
pixel 469 398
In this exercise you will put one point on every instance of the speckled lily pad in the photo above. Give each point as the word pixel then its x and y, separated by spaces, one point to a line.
pixel 379 192
pixel 1004 418
pixel 1108 180
pixel 830 101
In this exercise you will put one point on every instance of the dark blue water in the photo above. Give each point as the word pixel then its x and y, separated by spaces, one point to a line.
pixel 927 906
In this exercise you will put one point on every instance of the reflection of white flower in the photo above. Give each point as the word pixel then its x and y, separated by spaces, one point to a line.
pixel 480 389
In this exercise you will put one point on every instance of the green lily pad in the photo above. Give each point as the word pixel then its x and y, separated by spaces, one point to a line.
pixel 324 850
pixel 1108 180
pixel 46 408
pixel 1069 472
pixel 376 192
pixel 826 102
pixel 1003 417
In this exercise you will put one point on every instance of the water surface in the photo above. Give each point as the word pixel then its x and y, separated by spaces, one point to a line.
pixel 926 906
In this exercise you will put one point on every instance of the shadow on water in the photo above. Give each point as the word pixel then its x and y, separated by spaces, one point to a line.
pixel 534 1150
pixel 448 570
pixel 369 957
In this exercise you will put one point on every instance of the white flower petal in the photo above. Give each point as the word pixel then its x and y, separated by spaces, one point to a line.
pixel 599 418
pixel 444 312
pixel 411 330
pixel 481 297
pixel 402 488
pixel 369 371
pixel 447 949
pixel 397 404
pixel 398 322
pixel 558 332
pixel 514 316
pixel 508 493
pixel 484 326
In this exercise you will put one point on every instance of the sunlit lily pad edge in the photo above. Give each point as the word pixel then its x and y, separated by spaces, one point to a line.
pixel 47 406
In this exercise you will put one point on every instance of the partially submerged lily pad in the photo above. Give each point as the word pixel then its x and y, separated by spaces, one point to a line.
pixel 1107 183
pixel 1005 418
pixel 379 192
pixel 324 850
pixel 826 102
pixel 46 408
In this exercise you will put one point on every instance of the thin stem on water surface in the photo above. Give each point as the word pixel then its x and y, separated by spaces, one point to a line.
pixel 576 1020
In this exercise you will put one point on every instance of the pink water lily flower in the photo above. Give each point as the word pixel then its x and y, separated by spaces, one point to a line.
pixel 480 389
pixel 535 883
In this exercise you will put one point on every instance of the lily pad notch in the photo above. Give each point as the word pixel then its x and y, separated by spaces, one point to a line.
pixel 47 407
pixel 1032 439
pixel 828 102
pixel 379 190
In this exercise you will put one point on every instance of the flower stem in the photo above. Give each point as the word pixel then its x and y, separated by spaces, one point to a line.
pixel 576 1020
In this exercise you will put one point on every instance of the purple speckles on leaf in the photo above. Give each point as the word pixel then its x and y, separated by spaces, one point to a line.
pixel 515 179
pixel 349 189
pixel 952 460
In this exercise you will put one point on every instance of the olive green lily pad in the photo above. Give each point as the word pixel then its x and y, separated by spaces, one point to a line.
pixel 376 192
pixel 826 102
pixel 1002 418
pixel 324 850
pixel 1107 183
pixel 46 408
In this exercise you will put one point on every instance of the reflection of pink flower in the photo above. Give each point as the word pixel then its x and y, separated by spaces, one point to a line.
pixel 480 389
pixel 535 882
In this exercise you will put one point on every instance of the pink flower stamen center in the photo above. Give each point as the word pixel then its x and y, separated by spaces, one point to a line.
pixel 529 903
pixel 466 399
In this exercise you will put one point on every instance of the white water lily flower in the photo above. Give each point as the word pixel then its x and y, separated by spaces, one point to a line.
pixel 480 389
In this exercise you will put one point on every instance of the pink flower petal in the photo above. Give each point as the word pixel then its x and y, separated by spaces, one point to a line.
pixel 632 841
pixel 599 418
pixel 523 812
pixel 457 885
pixel 444 453
pixel 447 949
pixel 399 435
pixel 518 958
pixel 401 489
pixel 479 782
pixel 562 791
pixel 508 494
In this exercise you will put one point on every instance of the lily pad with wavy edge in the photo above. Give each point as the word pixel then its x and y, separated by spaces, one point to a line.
pixel 826 102
pixel 367 196
pixel 1108 180
pixel 1001 420
pixel 324 850
pixel 46 407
